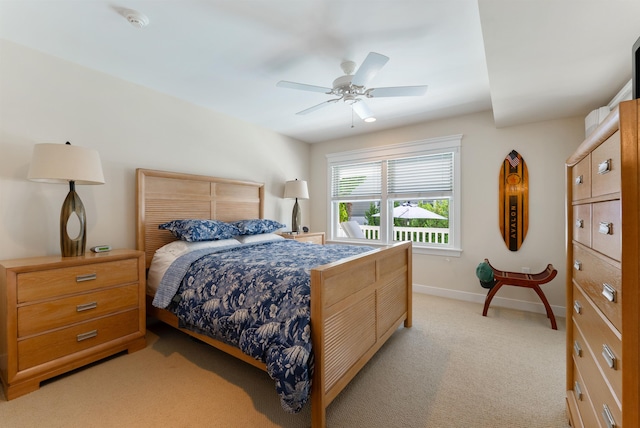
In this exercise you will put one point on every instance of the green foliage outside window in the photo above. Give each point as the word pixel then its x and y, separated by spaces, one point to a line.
pixel 371 220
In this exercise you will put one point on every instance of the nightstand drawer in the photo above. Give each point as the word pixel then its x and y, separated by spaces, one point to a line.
pixel 50 346
pixel 307 237
pixel 58 282
pixel 312 239
pixel 49 315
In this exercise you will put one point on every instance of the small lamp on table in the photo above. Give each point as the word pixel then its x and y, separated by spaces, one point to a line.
pixel 64 163
pixel 296 189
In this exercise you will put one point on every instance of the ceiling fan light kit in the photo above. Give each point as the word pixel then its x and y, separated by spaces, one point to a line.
pixel 352 88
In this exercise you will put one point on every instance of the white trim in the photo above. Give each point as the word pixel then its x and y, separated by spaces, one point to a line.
pixel 435 251
pixel 392 150
pixel 522 305
pixel 624 94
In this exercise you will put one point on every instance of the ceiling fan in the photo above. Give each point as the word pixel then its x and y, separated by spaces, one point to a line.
pixel 352 88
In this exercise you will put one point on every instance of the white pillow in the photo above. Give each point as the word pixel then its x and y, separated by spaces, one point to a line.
pixel 263 237
pixel 167 254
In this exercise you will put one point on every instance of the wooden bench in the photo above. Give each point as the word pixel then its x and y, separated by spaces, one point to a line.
pixel 528 280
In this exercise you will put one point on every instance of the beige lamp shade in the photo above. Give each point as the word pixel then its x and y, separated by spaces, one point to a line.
pixel 296 189
pixel 62 163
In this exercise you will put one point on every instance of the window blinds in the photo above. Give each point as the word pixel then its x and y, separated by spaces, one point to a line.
pixel 427 174
pixel 418 175
pixel 356 181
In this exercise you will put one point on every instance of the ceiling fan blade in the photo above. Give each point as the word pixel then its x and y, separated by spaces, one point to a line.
pixel 318 106
pixel 303 87
pixel 362 110
pixel 369 68
pixel 398 91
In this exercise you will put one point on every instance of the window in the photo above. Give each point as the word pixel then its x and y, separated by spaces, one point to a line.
pixel 405 192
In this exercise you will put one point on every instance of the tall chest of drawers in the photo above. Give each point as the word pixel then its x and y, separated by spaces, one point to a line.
pixel 603 258
pixel 60 313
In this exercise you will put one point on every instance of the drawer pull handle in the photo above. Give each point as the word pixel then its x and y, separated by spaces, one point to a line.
pixel 87 335
pixel 604 167
pixel 608 417
pixel 87 277
pixel 577 349
pixel 86 306
pixel 577 265
pixel 609 356
pixel 577 390
pixel 579 223
pixel 606 228
pixel 577 307
pixel 579 180
pixel 609 292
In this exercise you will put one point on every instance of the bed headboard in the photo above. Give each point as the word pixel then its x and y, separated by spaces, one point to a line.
pixel 162 196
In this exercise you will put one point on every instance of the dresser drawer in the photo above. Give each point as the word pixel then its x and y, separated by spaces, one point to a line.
pixel 598 391
pixel 581 394
pixel 606 228
pixel 58 282
pixel 605 343
pixel 605 167
pixel 582 224
pixel 581 179
pixel 52 314
pixel 601 281
pixel 39 349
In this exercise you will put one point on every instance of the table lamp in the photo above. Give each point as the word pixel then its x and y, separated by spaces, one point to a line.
pixel 296 189
pixel 64 163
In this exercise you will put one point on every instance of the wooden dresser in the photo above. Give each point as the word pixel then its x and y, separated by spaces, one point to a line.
pixel 60 313
pixel 603 289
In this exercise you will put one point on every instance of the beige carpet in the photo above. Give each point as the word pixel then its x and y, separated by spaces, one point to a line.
pixel 453 368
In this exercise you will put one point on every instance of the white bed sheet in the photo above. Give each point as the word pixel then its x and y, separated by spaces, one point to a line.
pixel 166 255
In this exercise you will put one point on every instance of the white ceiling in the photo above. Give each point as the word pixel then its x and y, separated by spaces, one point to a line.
pixel 527 60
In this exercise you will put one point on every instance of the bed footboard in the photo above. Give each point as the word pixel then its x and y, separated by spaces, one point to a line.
pixel 356 305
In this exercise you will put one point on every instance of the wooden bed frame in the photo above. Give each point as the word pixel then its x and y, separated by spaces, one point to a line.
pixel 356 303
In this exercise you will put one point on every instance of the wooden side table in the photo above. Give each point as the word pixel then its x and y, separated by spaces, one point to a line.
pixel 308 237
pixel 61 313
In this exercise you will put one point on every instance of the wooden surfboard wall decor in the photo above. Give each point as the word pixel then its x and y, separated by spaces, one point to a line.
pixel 513 200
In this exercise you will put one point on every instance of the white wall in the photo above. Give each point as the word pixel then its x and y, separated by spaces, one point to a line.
pixel 47 100
pixel 544 146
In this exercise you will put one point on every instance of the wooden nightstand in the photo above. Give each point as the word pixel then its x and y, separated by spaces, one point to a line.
pixel 308 237
pixel 60 313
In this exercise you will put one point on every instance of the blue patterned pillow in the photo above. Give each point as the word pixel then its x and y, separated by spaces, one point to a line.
pixel 200 230
pixel 257 226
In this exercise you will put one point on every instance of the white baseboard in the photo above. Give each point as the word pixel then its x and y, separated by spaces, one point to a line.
pixel 558 311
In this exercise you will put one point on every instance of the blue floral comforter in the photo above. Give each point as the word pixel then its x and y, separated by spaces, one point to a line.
pixel 255 297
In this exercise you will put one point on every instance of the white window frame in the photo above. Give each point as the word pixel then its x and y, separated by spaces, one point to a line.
pixel 452 143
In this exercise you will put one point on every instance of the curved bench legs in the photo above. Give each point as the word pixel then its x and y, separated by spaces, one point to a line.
pixel 535 288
